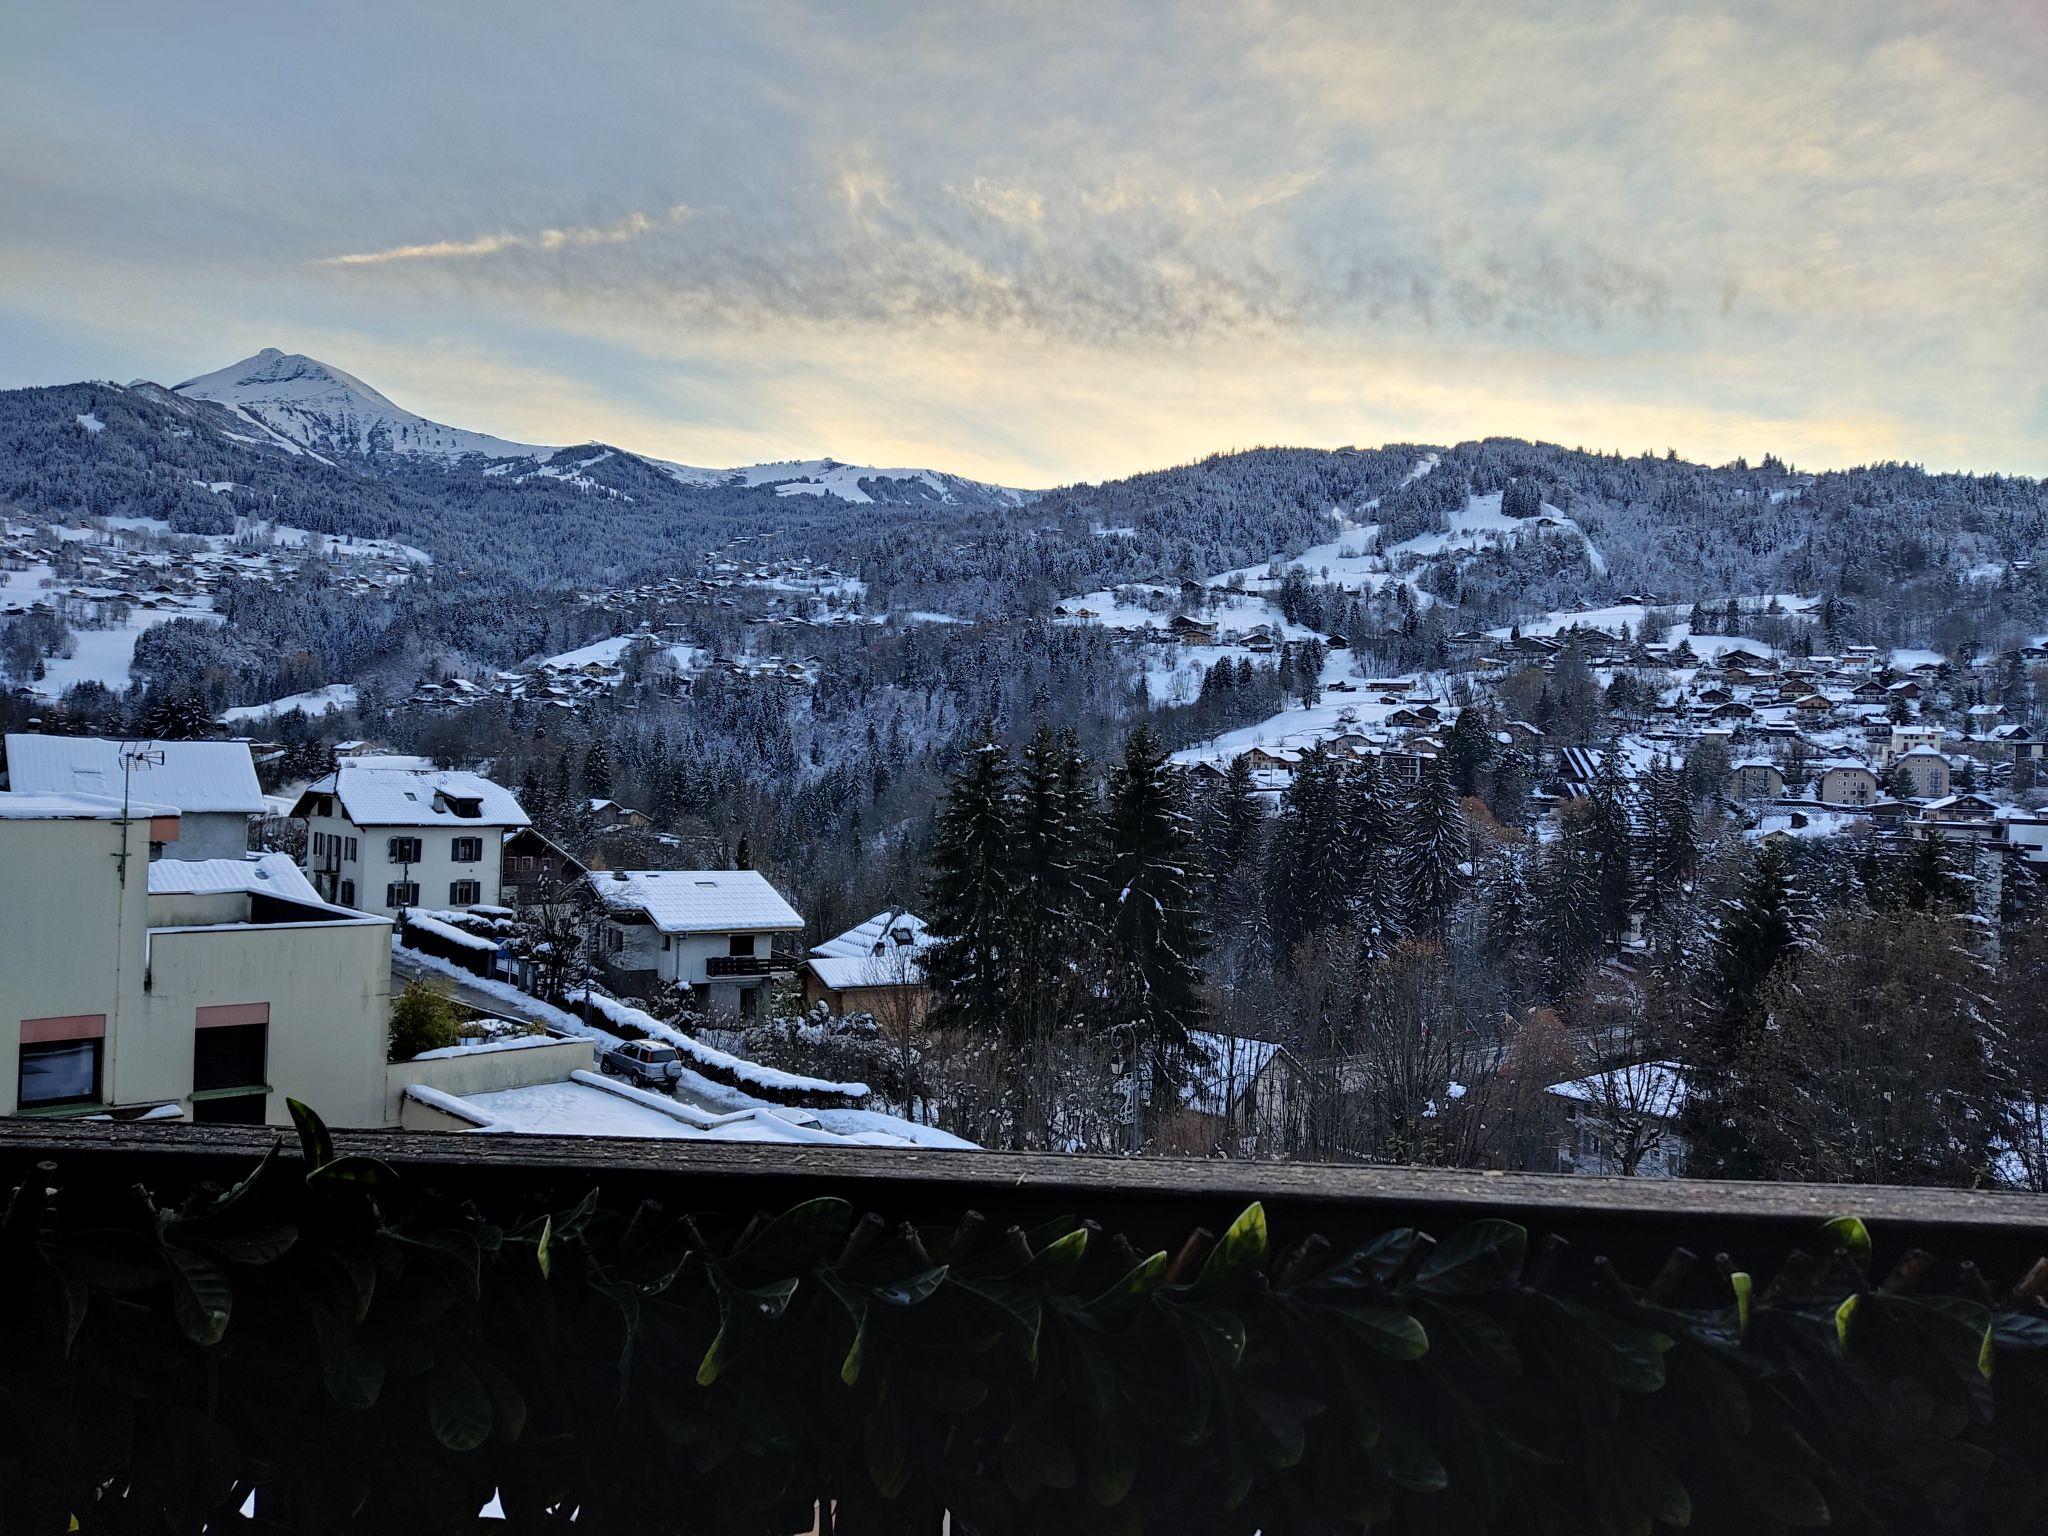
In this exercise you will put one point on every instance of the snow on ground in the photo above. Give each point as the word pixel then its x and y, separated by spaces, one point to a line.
pixel 91 422
pixel 97 655
pixel 610 653
pixel 1297 727
pixel 1482 522
pixel 1911 656
pixel 319 701
pixel 1610 620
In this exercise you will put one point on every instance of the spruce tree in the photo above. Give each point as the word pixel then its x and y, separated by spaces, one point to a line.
pixel 1612 837
pixel 1433 852
pixel 1155 932
pixel 1568 922
pixel 970 899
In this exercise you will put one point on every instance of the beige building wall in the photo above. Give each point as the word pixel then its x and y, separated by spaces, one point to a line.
pixel 485 1071
pixel 328 990
pixel 70 932
pixel 77 943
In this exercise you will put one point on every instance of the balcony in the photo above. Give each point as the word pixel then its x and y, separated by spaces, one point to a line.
pixel 741 967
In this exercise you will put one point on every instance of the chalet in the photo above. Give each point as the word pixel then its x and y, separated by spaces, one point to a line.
pixel 1270 759
pixel 534 871
pixel 876 968
pixel 1869 691
pixel 1814 705
pixel 1845 781
pixel 1623 1121
pixel 1904 688
pixel 609 815
pixel 1192 630
pixel 1962 807
pixel 384 839
pixel 1756 779
pixel 710 930
pixel 210 784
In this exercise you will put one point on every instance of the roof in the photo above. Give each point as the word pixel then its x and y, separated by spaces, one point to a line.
pixel 269 874
pixel 873 937
pixel 25 807
pixel 586 1104
pixel 195 777
pixel 408 797
pixel 1651 1087
pixel 697 900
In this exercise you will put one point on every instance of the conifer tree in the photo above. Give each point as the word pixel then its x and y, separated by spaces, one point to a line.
pixel 1568 929
pixel 970 899
pixel 1433 852
pixel 1470 746
pixel 1612 842
pixel 1155 933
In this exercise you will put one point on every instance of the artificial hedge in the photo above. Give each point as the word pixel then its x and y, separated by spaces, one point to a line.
pixel 366 1355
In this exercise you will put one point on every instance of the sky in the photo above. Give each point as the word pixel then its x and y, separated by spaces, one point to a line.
pixel 1040 242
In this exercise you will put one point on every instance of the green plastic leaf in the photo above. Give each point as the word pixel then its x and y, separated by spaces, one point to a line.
pixel 1241 1250
pixel 1054 1264
pixel 1480 1256
pixel 543 1251
pixel 1134 1287
pixel 801 1236
pixel 253 1245
pixel 458 1407
pixel 908 1293
pixel 1386 1330
pixel 1845 1314
pixel 315 1143
pixel 888 1450
pixel 352 1368
pixel 1629 1356
pixel 1745 1291
pixel 200 1295
pixel 1847 1233
pixel 849 1368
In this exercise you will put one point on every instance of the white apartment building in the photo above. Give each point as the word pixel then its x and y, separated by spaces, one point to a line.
pixel 210 784
pixel 213 988
pixel 711 930
pixel 382 839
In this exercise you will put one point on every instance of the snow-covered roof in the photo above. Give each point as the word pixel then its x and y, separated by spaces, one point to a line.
pixel 698 900
pixel 1832 764
pixel 196 777
pixel 269 874
pixel 586 1104
pixel 1653 1087
pixel 879 935
pixel 25 807
pixel 403 797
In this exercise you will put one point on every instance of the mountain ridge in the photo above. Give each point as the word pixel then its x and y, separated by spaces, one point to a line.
pixel 320 409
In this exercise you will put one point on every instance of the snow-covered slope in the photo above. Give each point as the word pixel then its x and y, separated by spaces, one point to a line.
pixel 324 410
pixel 299 403
pixel 829 477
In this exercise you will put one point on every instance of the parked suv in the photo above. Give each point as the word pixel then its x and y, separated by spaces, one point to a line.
pixel 646 1062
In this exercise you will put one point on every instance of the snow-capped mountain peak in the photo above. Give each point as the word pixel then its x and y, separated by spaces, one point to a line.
pixel 298 403
pixel 324 410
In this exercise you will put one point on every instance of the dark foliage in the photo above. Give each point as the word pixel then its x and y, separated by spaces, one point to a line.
pixel 364 1354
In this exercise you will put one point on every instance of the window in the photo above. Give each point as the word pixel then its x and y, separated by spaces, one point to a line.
pixel 402 893
pixel 319 844
pixel 404 850
pixel 348 893
pixel 60 1060
pixel 614 940
pixel 466 850
pixel 464 893
pixel 740 944
pixel 351 854
pixel 230 1055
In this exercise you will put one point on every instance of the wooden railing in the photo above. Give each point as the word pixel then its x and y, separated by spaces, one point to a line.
pixel 1633 1221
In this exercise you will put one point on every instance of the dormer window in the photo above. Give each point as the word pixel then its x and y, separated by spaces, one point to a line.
pixel 468 807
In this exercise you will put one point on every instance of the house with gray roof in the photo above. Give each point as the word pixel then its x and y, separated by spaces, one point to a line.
pixel 711 930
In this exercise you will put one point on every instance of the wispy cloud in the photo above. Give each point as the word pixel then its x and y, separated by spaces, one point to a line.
pixel 631 227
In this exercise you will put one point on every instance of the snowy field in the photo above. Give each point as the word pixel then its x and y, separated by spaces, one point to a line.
pixel 319 701
pixel 97 655
pixel 609 653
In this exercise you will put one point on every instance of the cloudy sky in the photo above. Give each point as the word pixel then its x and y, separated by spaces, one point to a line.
pixel 1041 242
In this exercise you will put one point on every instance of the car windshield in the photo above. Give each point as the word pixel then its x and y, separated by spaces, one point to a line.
pixel 660 1053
